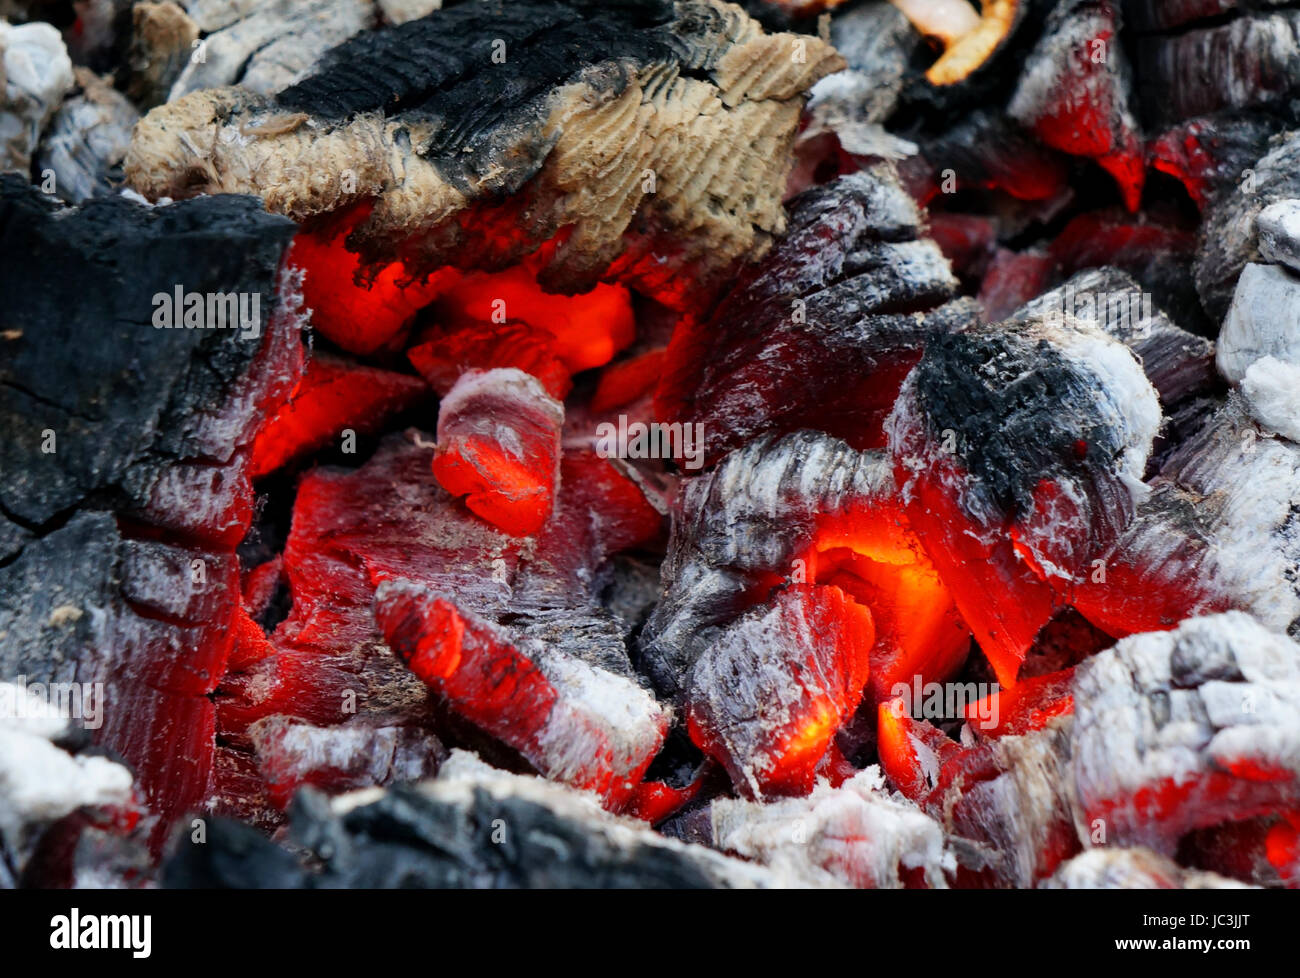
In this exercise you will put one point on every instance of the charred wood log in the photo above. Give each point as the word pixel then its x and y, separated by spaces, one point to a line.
pixel 131 493
pixel 638 128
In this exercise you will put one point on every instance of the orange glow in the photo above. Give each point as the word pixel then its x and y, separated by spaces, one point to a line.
pixel 898 758
pixel 622 383
pixel 511 493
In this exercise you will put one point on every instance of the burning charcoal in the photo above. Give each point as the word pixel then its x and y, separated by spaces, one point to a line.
pixel 1011 280
pixel 1210 155
pixel 528 602
pixel 472 826
pixel 628 380
pixel 985 150
pixel 574 723
pixel 272 45
pixel 1278 226
pixel 1074 93
pixel 721 102
pixel 163 41
pixel 859 834
pixel 504 319
pixel 1217 532
pixel 1229 238
pixel 40 782
pixel 37 74
pixel 1008 797
pixel 135 493
pixel 332 396
pixel 853 291
pixel 1259 347
pixel 1181 730
pixel 87 140
pixel 1250 60
pixel 1028 707
pixel 1130 869
pixel 499 447
pixel 766 698
pixel 291 753
pixel 1262 851
pixel 1020 448
pixel 1179 364
pixel 804 508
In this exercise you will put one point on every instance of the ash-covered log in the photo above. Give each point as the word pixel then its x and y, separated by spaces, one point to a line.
pixel 1181 730
pixel 129 414
pixel 644 130
pixel 1020 449
pixel 473 826
pixel 821 332
pixel 37 74
pixel 87 140
pixel 1217 532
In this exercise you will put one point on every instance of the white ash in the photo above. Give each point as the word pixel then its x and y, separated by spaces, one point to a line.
pixel 40 782
pixel 1219 693
pixel 1278 228
pixel 859 834
pixel 37 74
pixel 291 749
pixel 272 45
pixel 1271 388
pixel 87 140
pixel 1263 320
pixel 1133 869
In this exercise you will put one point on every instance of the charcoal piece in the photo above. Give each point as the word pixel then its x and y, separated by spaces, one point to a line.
pixel 163 44
pixel 291 753
pixel 499 447
pixel 1210 155
pixel 1278 227
pixel 1159 15
pixel 1020 449
pixel 1131 869
pixel 1179 364
pixel 422 119
pixel 1007 796
pixel 1183 729
pixel 1247 61
pixel 1011 280
pixel 859 834
pixel 767 697
pixel 127 467
pixel 853 290
pixel 272 45
pixel 87 140
pixel 574 723
pixel 1217 532
pixel 1074 92
pixel 1261 851
pixel 40 781
pixel 1229 235
pixel 37 74
pixel 471 827
pixel 803 508
pixel 107 435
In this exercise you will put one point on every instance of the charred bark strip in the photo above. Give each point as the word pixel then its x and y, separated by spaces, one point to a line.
pixel 123 459
pixel 580 107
